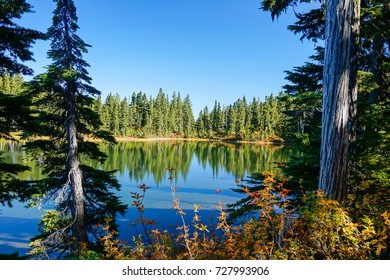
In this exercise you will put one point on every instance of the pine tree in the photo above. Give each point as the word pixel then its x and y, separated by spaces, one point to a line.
pixel 179 117
pixel 132 113
pixel 124 117
pixel 240 107
pixel 142 112
pixel 64 95
pixel 207 122
pixel 108 113
pixel 217 118
pixel 231 121
pixel 172 124
pixel 188 117
pixel 254 111
pixel 98 107
pixel 161 113
pixel 149 121
pixel 200 125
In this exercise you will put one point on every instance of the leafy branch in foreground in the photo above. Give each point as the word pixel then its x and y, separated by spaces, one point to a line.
pixel 319 228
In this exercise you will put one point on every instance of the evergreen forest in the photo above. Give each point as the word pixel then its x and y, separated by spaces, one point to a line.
pixel 164 116
pixel 330 201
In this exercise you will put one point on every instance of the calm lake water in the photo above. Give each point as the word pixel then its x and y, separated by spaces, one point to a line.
pixel 204 174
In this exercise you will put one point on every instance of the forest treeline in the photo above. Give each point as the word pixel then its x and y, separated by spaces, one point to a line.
pixel 164 116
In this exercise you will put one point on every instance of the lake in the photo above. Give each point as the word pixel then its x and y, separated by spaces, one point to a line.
pixel 205 173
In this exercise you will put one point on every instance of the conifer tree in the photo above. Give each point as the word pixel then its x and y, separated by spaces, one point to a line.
pixel 200 128
pixel 179 117
pixel 132 113
pixel 188 117
pixel 254 115
pixel 217 118
pixel 231 120
pixel 207 122
pixel 64 96
pixel 124 117
pixel 240 107
pixel 172 124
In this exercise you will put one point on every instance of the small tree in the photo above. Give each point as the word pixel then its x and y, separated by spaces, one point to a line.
pixel 64 96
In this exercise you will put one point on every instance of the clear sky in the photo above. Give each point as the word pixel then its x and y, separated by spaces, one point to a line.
pixel 209 49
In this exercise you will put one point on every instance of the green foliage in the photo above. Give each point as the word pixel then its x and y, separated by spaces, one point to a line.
pixel 11 187
pixel 15 114
pixel 311 25
pixel 319 228
pixel 15 40
pixel 161 117
pixel 54 228
pixel 147 117
pixel 15 44
pixel 243 121
pixel 331 233
pixel 64 97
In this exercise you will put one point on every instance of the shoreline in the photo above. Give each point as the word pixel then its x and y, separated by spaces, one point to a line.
pixel 121 139
pixel 192 139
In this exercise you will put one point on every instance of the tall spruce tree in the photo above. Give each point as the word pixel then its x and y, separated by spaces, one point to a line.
pixel 64 95
pixel 188 117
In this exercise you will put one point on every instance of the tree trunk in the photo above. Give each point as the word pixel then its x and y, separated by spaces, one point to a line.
pixel 339 95
pixel 79 230
pixel 75 174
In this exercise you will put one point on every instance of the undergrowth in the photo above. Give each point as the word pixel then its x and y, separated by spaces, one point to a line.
pixel 319 229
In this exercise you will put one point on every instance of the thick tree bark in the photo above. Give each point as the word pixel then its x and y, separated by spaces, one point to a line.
pixel 339 95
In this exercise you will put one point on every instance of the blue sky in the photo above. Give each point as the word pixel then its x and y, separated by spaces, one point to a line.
pixel 209 49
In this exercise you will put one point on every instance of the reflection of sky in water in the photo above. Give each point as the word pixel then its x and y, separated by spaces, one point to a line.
pixel 197 184
pixel 15 233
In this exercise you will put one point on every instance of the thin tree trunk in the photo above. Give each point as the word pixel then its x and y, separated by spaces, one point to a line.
pixel 75 175
pixel 74 172
pixel 339 96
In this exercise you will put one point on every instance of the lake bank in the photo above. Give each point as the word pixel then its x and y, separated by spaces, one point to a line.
pixel 17 137
pixel 195 139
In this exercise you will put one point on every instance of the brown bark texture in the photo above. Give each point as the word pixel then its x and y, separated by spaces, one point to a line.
pixel 339 95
